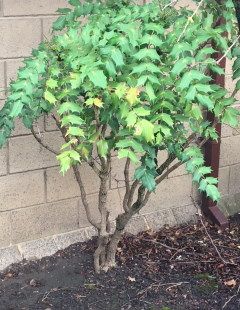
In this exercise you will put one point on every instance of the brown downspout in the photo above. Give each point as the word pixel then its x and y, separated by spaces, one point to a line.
pixel 212 155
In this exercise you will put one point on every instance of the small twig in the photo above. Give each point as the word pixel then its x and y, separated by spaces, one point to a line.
pixel 208 235
pixel 160 243
pixel 39 140
pixel 228 301
pixel 228 50
pixel 160 285
pixel 190 20
pixel 170 4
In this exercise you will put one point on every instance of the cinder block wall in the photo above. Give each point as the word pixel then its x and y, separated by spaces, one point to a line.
pixel 35 200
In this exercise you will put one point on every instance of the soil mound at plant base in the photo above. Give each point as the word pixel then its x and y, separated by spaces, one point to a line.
pixel 173 269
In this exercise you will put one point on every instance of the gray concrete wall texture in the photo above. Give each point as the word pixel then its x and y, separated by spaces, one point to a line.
pixel 35 200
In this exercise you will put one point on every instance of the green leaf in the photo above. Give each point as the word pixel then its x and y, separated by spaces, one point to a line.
pixel 117 57
pixel 147 177
pixel 136 146
pixel 212 192
pixel 69 107
pixel 75 131
pixel 205 101
pixel 167 119
pixel 98 78
pixel 191 93
pixel 236 74
pixel 50 97
pixel 180 48
pixel 51 83
pixel 230 116
pixel 196 112
pixel 59 24
pixel 150 92
pixel 145 129
pixel 141 111
pixel 16 109
pixel 127 153
pixel 180 65
pixel 121 90
pixel 151 39
pixel 147 53
pixel 102 147
pixel 131 119
pixel 76 80
pixel 110 68
pixel 190 76
pixel 72 119
pixel 74 2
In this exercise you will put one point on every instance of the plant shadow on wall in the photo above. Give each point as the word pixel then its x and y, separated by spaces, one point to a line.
pixel 134 80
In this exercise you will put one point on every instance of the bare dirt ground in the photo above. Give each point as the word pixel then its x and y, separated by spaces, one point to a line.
pixel 191 267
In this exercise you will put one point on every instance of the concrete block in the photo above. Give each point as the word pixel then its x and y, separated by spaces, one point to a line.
pixel 224 180
pixel 47 26
pixel 12 66
pixel 44 220
pixel 161 157
pixel 32 7
pixel 185 214
pixel 37 249
pixel 25 153
pixel 2 80
pixel 20 129
pixel 113 205
pixel 5 229
pixel 3 160
pixel 157 220
pixel 227 131
pixel 59 186
pixel 170 193
pixel 230 149
pixel 62 187
pixel 136 225
pixel 230 205
pixel 234 180
pixel 64 240
pixel 19 36
pixel 9 256
pixel 20 190
pixel 186 3
pixel 179 171
pixel 91 232
pixel 50 124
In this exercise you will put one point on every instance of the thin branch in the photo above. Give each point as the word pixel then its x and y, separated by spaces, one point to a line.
pixel 132 192
pixel 190 20
pixel 127 184
pixel 208 235
pixel 79 180
pixel 170 4
pixel 228 301
pixel 84 197
pixel 39 140
pixel 228 50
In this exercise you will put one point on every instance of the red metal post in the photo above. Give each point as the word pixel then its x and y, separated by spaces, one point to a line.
pixel 212 156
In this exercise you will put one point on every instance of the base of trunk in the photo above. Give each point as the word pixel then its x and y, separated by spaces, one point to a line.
pixel 105 254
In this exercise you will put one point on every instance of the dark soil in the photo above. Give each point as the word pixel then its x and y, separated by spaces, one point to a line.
pixel 176 268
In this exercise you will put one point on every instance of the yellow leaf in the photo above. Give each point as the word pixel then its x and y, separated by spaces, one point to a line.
pixel 98 102
pixel 131 279
pixel 132 95
pixel 231 283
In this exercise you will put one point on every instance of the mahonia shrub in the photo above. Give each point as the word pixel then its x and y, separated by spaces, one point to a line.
pixel 135 80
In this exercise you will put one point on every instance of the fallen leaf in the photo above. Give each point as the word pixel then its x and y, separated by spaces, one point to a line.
pixel 231 283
